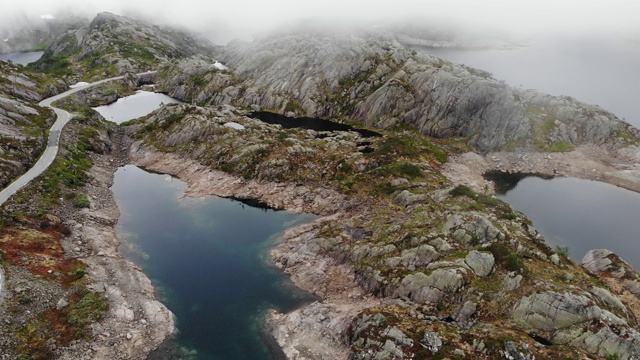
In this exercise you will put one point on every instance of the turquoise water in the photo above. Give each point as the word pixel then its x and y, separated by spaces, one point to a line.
pixel 206 257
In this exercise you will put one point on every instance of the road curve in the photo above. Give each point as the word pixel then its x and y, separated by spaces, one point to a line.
pixel 51 150
pixel 49 154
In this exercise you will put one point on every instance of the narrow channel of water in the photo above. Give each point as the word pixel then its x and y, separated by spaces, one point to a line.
pixel 134 106
pixel 580 214
pixel 22 58
pixel 206 258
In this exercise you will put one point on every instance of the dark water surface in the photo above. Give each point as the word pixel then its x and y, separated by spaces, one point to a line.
pixel 309 123
pixel 22 58
pixel 597 70
pixel 134 106
pixel 581 215
pixel 206 258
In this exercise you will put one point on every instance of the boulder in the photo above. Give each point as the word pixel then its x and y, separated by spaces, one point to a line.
pixel 551 311
pixel 480 262
pixel 597 260
pixel 406 198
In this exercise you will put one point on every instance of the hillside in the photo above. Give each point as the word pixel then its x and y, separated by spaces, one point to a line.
pixel 23 124
pixel 371 78
pixel 407 262
pixel 113 45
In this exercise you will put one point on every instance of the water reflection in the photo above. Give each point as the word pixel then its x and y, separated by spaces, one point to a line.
pixel 581 214
pixel 207 258
pixel 134 106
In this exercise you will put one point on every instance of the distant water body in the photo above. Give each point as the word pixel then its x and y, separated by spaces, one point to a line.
pixel 598 71
pixel 22 58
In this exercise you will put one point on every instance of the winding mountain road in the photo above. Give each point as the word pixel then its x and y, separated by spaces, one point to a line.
pixel 49 154
pixel 51 151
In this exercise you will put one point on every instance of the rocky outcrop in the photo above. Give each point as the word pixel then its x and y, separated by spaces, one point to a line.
pixel 372 78
pixel 23 124
pixel 114 45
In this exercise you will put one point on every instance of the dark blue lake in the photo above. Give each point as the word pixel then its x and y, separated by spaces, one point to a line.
pixel 581 215
pixel 206 257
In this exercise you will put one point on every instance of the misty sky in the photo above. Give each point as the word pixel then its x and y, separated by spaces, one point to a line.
pixel 246 17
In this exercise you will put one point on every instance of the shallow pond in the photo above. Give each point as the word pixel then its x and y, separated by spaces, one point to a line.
pixel 580 214
pixel 206 258
pixel 134 106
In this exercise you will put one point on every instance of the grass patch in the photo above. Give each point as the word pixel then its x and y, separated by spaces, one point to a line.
pixel 463 190
pixel 562 146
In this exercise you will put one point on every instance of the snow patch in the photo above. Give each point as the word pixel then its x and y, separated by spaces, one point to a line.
pixel 218 65
pixel 234 125
pixel 79 84
pixel 47 17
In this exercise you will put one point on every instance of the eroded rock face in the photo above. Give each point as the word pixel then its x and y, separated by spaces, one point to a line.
pixel 374 79
pixel 570 318
pixel 550 311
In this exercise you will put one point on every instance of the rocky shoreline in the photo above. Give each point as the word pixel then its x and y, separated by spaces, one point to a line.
pixel 320 330
pixel 136 322
pixel 315 330
pixel 617 167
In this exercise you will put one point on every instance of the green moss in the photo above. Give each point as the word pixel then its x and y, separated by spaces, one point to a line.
pixel 294 105
pixel 402 169
pixel 89 309
pixel 81 201
pixel 514 262
pixel 562 146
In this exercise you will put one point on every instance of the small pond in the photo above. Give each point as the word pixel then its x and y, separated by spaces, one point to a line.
pixel 308 123
pixel 134 106
pixel 206 258
pixel 22 58
pixel 579 214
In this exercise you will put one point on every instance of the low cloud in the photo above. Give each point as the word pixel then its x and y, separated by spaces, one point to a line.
pixel 245 18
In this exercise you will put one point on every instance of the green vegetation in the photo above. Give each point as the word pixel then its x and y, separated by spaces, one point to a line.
pixel 562 146
pixel 90 308
pixel 81 201
pixel 462 190
pixel 562 251
pixel 58 66
pixel 514 263
pixel 508 216
pixel 294 105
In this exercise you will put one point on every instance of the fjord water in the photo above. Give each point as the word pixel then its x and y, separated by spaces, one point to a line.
pixel 206 258
pixel 581 215
pixel 594 69
pixel 134 106
pixel 22 58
